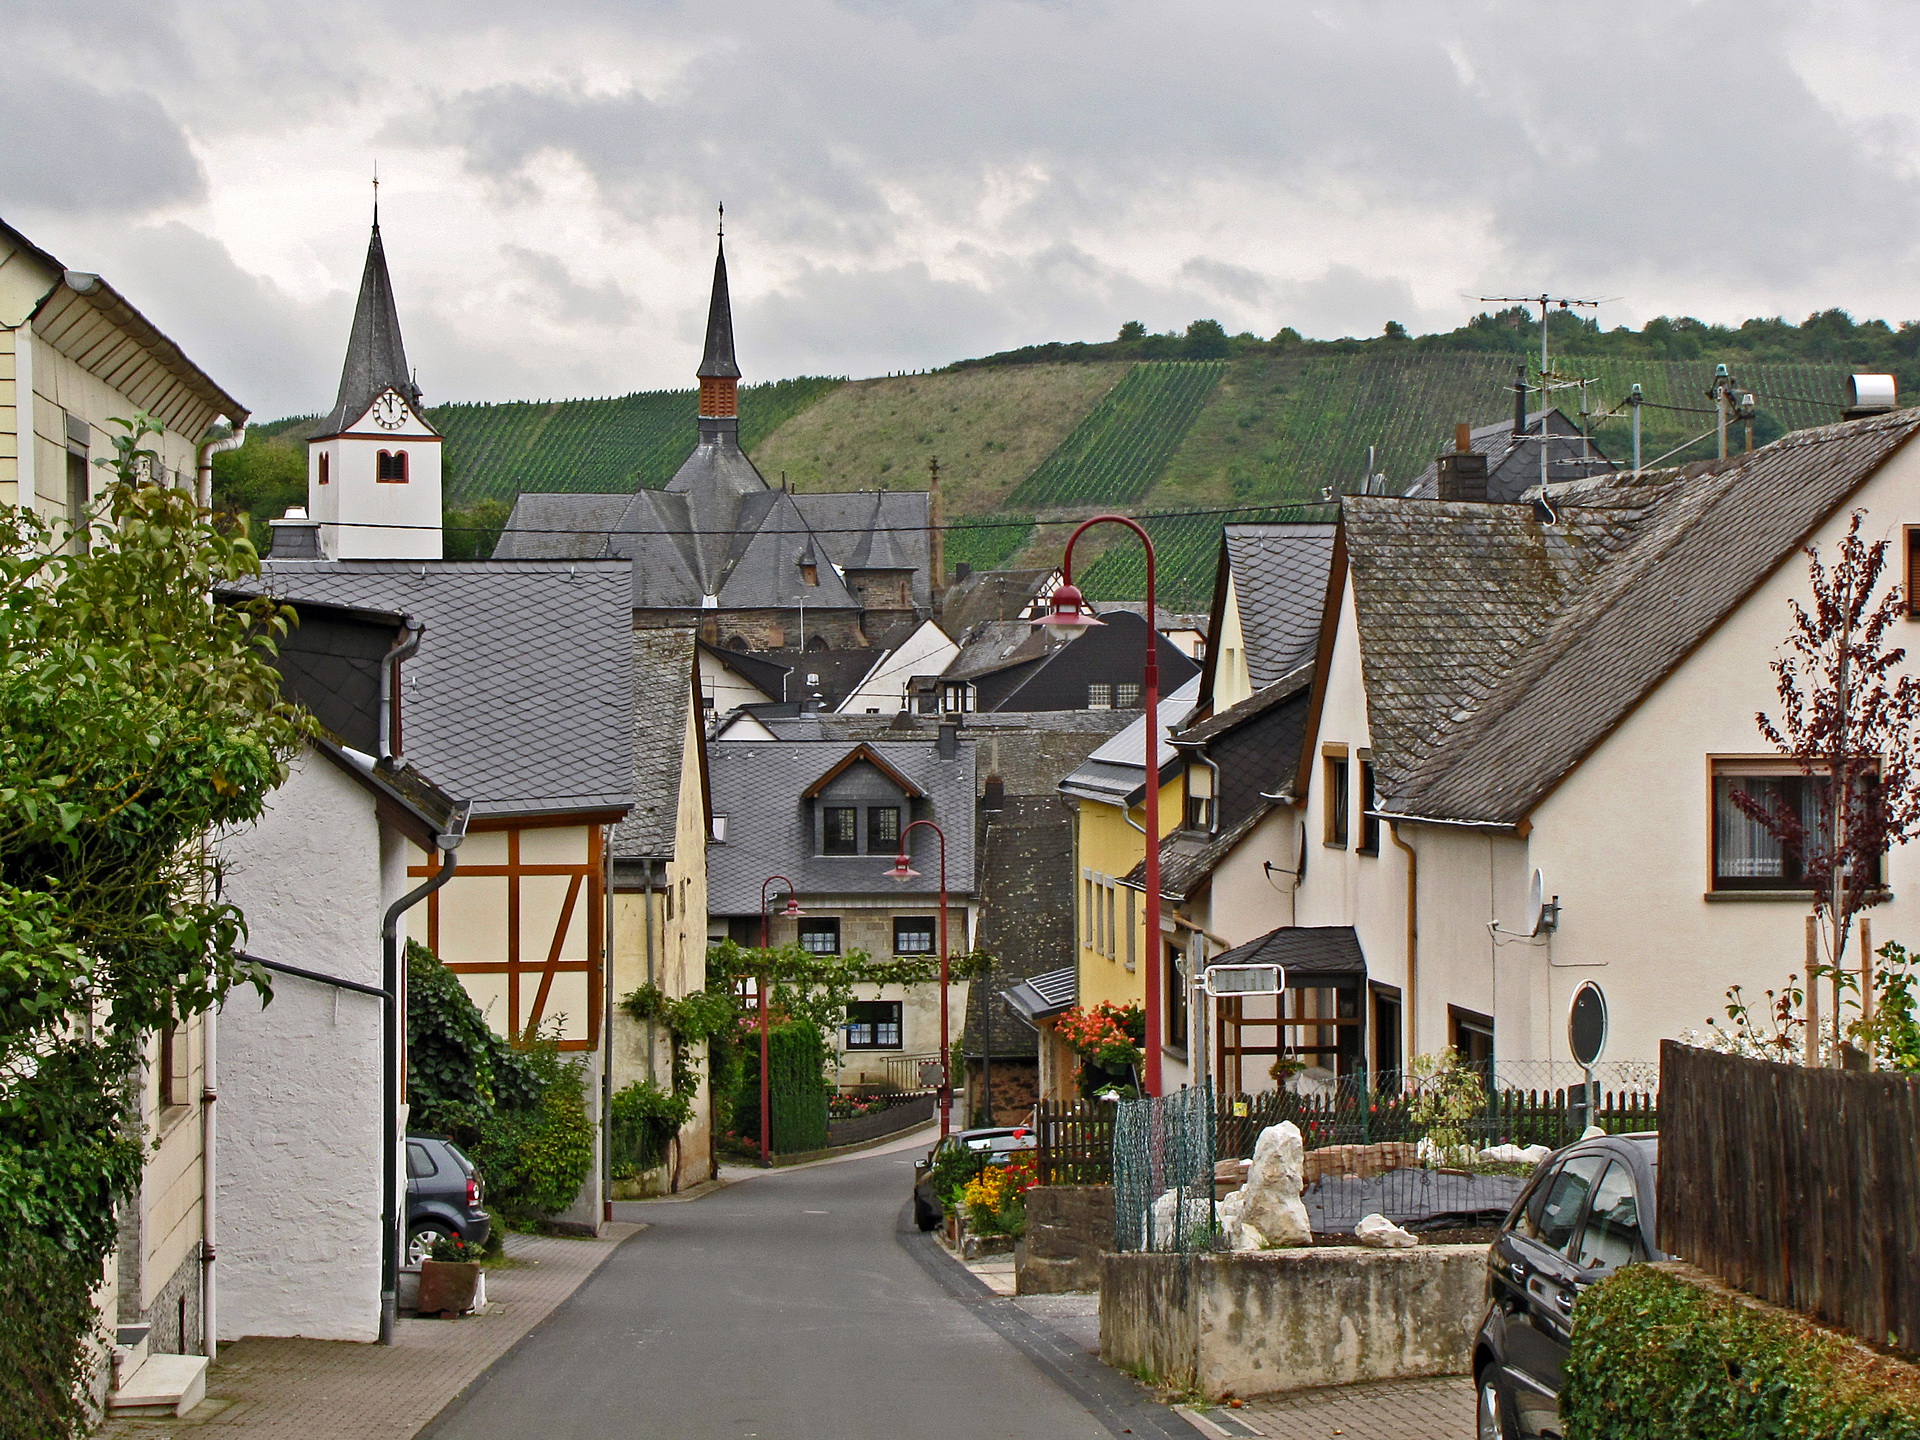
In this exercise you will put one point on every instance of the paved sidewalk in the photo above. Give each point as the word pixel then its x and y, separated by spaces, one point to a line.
pixel 1437 1409
pixel 334 1390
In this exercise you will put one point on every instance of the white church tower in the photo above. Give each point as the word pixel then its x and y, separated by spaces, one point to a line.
pixel 373 467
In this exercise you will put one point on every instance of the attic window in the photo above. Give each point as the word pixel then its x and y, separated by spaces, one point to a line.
pixel 720 829
pixel 1335 801
pixel 956 697
pixel 1099 696
pixel 840 830
pixel 1126 697
pixel 393 467
pixel 809 573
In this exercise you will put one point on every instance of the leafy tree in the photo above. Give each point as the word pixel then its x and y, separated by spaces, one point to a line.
pixel 1395 330
pixel 1850 721
pixel 1206 340
pixel 1133 330
pixel 470 532
pixel 136 718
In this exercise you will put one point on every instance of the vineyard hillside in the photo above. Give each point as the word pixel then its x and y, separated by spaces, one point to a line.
pixel 989 428
pixel 1116 453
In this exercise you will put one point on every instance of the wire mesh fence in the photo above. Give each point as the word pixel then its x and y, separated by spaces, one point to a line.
pixel 1163 1154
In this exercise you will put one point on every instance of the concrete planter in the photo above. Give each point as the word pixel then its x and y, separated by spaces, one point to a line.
pixel 449 1287
pixel 973 1246
pixel 1278 1320
pixel 1069 1227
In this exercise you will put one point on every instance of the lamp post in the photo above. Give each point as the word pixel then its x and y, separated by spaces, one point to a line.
pixel 1070 612
pixel 903 872
pixel 792 912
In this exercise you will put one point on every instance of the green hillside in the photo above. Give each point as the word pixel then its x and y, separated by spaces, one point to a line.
pixel 1116 453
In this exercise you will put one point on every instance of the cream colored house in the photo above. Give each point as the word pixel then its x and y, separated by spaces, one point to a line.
pixel 74 354
pixel 1570 694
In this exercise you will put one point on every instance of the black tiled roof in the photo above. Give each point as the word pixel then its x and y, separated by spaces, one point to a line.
pixel 376 358
pixel 1280 578
pixel 1302 950
pixel 521 696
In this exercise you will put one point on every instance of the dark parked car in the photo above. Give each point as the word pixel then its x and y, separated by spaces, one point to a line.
pixel 998 1146
pixel 443 1197
pixel 1587 1211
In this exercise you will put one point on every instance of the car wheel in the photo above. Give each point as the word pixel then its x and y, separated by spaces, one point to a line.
pixel 421 1240
pixel 1492 1409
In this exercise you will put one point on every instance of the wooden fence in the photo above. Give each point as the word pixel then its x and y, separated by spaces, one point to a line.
pixel 1799 1186
pixel 1074 1142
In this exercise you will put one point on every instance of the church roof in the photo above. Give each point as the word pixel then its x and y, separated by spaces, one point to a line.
pixel 880 547
pixel 376 356
pixel 718 362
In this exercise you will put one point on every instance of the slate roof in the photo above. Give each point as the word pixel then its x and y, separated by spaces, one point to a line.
pixel 991 595
pixel 1513 470
pixel 1280 577
pixel 757 785
pixel 662 691
pixel 1045 994
pixel 1118 768
pixel 998 645
pixel 717 362
pixel 376 357
pixel 1305 950
pixel 1577 633
pixel 521 696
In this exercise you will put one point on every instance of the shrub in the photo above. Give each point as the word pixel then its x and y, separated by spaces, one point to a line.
pixel 1658 1357
pixel 46 1321
pixel 646 1117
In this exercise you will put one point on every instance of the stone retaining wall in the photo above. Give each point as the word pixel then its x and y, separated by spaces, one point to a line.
pixel 1068 1229
pixel 1277 1320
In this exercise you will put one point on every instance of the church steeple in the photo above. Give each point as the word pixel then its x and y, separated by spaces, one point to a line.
pixel 376 356
pixel 719 373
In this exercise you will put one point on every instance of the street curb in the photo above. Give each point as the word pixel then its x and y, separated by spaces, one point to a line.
pixel 466 1391
pixel 1112 1398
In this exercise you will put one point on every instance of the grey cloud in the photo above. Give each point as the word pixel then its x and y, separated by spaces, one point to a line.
pixel 560 296
pixel 70 148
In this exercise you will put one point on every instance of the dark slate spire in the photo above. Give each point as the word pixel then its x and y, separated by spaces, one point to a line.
pixel 718 363
pixel 376 357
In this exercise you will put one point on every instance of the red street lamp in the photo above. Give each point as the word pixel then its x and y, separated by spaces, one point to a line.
pixel 903 872
pixel 1070 611
pixel 792 912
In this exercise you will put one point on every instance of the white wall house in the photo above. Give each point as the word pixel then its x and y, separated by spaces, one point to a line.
pixel 1507 693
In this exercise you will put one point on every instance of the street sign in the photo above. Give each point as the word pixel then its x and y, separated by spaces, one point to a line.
pixel 1587 1025
pixel 1245 980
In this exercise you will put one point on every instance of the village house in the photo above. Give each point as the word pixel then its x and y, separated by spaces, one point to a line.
pixel 1527 723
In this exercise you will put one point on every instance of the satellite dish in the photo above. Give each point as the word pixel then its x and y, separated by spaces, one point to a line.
pixel 1542 913
pixel 1587 1025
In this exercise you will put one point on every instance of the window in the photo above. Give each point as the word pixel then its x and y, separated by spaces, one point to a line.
pixel 719 829
pixel 820 937
pixel 1086 909
pixel 1745 855
pixel 1611 1237
pixel 1175 998
pixel 913 935
pixel 873 1025
pixel 1113 899
pixel 77 497
pixel 326 467
pixel 883 829
pixel 1386 1037
pixel 419 1162
pixel 1199 812
pixel 956 697
pixel 1099 697
pixel 393 467
pixel 1913 571
pixel 173 1067
pixel 1132 937
pixel 1126 697
pixel 840 830
pixel 1471 1033
pixel 1334 802
pixel 1369 802
pixel 1556 1207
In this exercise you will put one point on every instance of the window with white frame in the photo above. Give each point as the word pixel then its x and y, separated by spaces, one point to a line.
pixel 913 934
pixel 873 1025
pixel 820 936
pixel 1748 853
pixel 1099 696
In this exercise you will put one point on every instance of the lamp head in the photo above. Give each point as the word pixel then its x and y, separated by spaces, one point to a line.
pixel 1070 610
pixel 901 869
pixel 793 910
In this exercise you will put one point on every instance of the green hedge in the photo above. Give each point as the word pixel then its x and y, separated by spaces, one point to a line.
pixel 1656 1357
pixel 799 1090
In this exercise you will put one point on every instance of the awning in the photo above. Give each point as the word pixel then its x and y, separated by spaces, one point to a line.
pixel 1044 995
pixel 1317 951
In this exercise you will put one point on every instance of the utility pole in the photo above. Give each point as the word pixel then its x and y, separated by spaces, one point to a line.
pixel 1634 398
pixel 1721 395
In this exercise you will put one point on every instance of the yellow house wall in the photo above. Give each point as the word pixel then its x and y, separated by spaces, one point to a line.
pixel 1231 681
pixel 1106 847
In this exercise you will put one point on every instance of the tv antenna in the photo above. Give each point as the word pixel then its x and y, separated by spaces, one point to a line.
pixel 1547 304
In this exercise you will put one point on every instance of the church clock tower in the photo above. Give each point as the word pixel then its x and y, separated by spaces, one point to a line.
pixel 373 467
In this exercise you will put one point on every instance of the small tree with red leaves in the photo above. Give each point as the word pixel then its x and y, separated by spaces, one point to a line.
pixel 1850 720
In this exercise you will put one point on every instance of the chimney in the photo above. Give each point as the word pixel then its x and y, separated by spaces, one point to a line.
pixel 294 537
pixel 1519 400
pixel 1463 472
pixel 949 742
pixel 995 797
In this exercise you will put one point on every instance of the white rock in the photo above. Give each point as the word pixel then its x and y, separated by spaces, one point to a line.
pixel 1172 1218
pixel 1516 1154
pixel 1271 1197
pixel 1383 1234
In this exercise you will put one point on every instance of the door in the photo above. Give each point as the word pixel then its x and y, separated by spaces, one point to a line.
pixel 1540 1284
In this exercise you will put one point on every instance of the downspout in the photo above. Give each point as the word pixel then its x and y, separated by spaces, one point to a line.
pixel 208 1330
pixel 1411 1010
pixel 203 454
pixel 403 649
pixel 446 844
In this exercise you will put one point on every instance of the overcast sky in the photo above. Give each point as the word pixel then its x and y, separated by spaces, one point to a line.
pixel 912 181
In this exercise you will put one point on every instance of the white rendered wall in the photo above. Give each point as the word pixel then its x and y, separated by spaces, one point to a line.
pixel 299 1079
pixel 356 506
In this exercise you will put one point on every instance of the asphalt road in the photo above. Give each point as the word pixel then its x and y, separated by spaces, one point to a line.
pixel 794 1306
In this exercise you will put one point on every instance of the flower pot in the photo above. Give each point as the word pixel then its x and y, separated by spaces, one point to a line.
pixel 447 1287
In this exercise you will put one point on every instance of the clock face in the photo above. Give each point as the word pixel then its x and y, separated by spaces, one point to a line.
pixel 389 411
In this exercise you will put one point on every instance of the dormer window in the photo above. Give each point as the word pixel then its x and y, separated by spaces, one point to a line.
pixel 883 828
pixel 840 830
pixel 393 467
